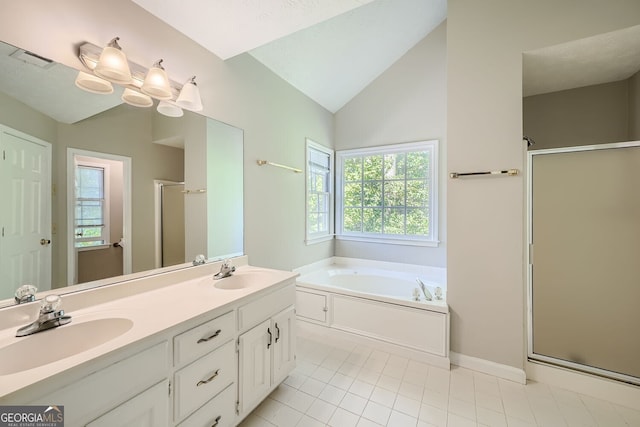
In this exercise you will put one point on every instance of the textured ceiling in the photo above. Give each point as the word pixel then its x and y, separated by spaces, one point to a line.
pixel 328 49
pixel 594 60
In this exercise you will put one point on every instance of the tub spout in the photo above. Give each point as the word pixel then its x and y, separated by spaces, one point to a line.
pixel 425 291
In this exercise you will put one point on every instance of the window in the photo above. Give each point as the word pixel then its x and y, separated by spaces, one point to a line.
pixel 388 194
pixel 91 207
pixel 319 193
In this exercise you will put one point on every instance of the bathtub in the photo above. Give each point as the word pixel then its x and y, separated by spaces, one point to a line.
pixel 376 300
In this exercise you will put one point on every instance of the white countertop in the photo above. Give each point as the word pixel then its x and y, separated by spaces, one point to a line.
pixel 152 312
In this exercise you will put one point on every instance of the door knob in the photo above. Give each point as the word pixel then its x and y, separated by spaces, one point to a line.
pixel 45 242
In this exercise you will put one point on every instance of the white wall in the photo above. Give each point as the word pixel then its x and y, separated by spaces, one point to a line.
pixel 406 103
pixel 485 217
pixel 275 117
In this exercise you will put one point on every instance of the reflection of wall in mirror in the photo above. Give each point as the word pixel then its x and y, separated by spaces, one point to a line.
pixel 123 130
pixel 608 112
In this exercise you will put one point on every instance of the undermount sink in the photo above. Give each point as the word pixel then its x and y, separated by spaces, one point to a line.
pixel 241 279
pixel 58 343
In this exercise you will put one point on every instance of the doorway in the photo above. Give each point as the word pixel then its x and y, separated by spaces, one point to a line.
pixel 99 216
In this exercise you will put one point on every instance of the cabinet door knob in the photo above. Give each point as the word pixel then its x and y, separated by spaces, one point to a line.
pixel 270 337
pixel 278 333
pixel 216 333
pixel 208 380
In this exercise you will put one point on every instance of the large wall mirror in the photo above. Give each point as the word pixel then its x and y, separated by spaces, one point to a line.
pixel 94 189
pixel 582 109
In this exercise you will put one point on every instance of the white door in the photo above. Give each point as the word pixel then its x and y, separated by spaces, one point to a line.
pixel 284 350
pixel 25 212
pixel 255 365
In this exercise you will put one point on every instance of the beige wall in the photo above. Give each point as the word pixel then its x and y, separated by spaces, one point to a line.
pixel 406 103
pixel 485 217
pixel 275 117
pixel 634 107
pixel 583 116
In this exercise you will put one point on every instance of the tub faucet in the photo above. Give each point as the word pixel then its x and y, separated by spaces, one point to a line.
pixel 49 317
pixel 425 291
pixel 226 269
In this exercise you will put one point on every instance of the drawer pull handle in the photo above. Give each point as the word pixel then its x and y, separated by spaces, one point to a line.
pixel 278 331
pixel 211 337
pixel 270 337
pixel 217 420
pixel 211 378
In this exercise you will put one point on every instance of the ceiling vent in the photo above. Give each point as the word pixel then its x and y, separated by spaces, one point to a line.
pixel 32 58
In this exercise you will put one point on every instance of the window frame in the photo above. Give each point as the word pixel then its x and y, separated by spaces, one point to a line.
pixel 106 202
pixel 317 237
pixel 430 146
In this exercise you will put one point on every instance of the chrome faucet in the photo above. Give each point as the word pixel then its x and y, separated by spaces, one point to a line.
pixel 49 317
pixel 425 291
pixel 226 269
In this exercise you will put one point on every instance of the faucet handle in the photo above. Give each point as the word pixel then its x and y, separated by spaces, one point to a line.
pixel 199 259
pixel 50 303
pixel 25 293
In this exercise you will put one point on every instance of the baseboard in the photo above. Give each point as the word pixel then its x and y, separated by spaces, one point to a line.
pixel 587 384
pixel 488 367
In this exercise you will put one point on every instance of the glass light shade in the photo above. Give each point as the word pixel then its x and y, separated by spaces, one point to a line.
pixel 189 97
pixel 113 64
pixel 156 83
pixel 136 98
pixel 93 84
pixel 169 109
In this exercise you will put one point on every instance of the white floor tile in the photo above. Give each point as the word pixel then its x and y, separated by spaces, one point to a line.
pixel 363 422
pixel 313 387
pixel 433 416
pixel 321 410
pixel 341 381
pixel 407 406
pixel 411 390
pixel 343 418
pixel 361 389
pixel 376 413
pixel 300 401
pixel 458 421
pixel 323 374
pixel 398 419
pixel 462 408
pixel 383 396
pixel 390 383
pixel 307 421
pixel 353 403
pixel 287 417
pixel 332 394
pixel 492 418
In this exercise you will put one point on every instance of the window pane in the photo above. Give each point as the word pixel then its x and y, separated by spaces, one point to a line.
pixel 394 193
pixel 352 219
pixel 417 165
pixel 353 169
pixel 394 221
pixel 372 194
pixel 89 182
pixel 353 194
pixel 372 220
pixel 394 166
pixel 313 203
pixel 417 193
pixel 323 223
pixel 313 222
pixel 418 222
pixel 372 167
pixel 323 203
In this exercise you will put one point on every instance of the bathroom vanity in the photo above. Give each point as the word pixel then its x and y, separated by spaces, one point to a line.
pixel 172 349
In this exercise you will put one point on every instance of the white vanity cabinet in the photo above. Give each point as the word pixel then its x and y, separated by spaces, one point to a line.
pixel 266 352
pixel 134 388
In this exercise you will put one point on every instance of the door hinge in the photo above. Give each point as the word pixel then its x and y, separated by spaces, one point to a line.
pixel 531 253
pixel 4 155
pixel 2 231
pixel 238 345
pixel 237 407
pixel 169 388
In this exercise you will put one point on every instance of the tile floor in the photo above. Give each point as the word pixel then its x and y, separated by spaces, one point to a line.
pixel 340 383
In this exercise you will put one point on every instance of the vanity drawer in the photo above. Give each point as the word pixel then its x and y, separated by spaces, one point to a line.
pixel 219 411
pixel 202 339
pixel 203 379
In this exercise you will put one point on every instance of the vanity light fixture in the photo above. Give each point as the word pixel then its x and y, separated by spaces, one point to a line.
pixel 143 84
pixel 169 109
pixel 189 97
pixel 156 83
pixel 113 64
pixel 93 84
pixel 137 99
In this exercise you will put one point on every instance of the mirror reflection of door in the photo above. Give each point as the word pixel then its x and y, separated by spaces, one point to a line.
pixel 25 221
pixel 98 210
pixel 172 220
